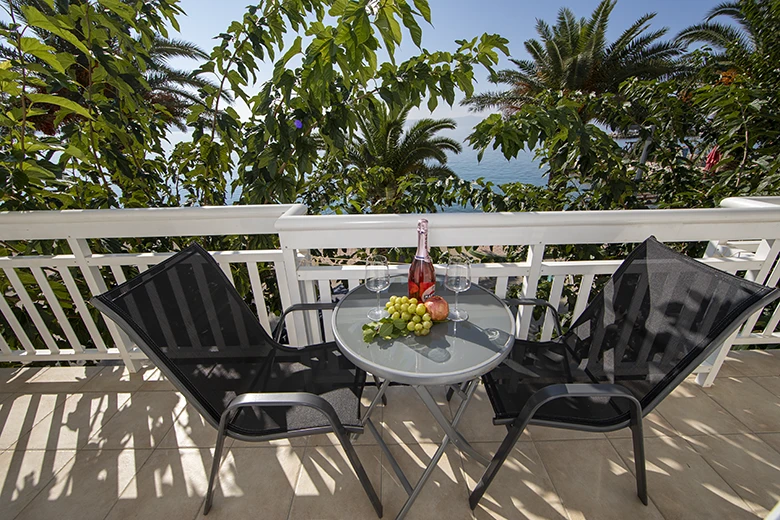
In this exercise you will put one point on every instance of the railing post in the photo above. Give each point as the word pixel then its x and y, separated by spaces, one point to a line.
pixel 97 285
pixel 296 328
pixel 530 284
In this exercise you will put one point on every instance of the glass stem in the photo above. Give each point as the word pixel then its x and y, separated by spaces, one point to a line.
pixel 377 302
pixel 456 304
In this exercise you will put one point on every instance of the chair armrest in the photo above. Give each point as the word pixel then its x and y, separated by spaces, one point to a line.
pixel 558 391
pixel 285 399
pixel 299 307
pixel 516 302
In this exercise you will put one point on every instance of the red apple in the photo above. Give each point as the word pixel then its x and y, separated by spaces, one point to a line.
pixel 437 307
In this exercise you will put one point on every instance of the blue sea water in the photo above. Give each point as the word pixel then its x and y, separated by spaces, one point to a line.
pixel 495 168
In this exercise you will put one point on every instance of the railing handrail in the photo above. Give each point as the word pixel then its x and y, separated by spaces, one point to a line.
pixel 144 222
pixel 308 232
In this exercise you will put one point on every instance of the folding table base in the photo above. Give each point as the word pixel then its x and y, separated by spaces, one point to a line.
pixel 450 435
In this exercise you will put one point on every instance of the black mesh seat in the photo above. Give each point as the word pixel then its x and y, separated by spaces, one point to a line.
pixel 189 320
pixel 658 318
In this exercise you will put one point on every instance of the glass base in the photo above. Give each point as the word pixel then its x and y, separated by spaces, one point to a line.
pixel 458 315
pixel 377 313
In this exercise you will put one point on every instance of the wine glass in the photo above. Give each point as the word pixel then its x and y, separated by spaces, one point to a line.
pixel 458 280
pixel 377 280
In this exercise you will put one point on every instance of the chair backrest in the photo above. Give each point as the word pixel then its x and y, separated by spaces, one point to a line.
pixel 189 320
pixel 660 315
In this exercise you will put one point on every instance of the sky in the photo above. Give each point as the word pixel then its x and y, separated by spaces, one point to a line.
pixel 465 19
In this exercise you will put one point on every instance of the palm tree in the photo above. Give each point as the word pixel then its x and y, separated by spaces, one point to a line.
pixel 383 147
pixel 749 35
pixel 574 55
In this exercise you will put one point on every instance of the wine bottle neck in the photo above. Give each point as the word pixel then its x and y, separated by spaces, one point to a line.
pixel 422 245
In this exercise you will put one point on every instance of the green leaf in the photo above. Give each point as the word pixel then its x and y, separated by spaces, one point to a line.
pixel 60 102
pixel 414 28
pixel 75 152
pixel 124 11
pixel 362 27
pixel 385 329
pixel 424 8
pixel 41 51
pixel 36 18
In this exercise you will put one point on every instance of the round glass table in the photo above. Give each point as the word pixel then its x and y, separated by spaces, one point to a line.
pixel 454 354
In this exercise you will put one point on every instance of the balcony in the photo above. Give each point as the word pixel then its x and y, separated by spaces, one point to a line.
pixel 113 440
pixel 101 442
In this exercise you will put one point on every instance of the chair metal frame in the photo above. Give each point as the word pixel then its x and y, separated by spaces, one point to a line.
pixel 516 426
pixel 268 399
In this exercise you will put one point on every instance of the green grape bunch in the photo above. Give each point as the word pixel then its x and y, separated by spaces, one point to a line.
pixel 406 316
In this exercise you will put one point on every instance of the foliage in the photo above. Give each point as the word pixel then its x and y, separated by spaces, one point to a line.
pixel 574 55
pixel 385 168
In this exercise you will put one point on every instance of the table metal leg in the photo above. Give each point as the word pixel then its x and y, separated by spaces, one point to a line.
pixel 450 434
pixel 456 438
pixel 379 395
pixel 394 463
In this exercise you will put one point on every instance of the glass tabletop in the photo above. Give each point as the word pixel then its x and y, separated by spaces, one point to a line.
pixel 451 353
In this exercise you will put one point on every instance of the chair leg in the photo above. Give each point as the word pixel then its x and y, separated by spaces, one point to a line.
pixel 215 467
pixel 498 460
pixel 639 458
pixel 361 472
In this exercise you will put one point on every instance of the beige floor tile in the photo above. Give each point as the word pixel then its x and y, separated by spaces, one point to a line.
pixel 157 382
pixel 117 379
pixel 87 486
pixel 407 420
pixel 772 439
pixel 190 430
pixel 256 482
pixel 653 424
pixel 771 383
pixel 752 404
pixel 70 426
pixel 141 422
pixel 681 483
pixel 23 474
pixel 545 433
pixel 170 485
pixel 444 495
pixel 11 379
pixel 328 488
pixel 730 367
pixel 21 412
pixel 692 412
pixel 747 464
pixel 593 481
pixel 521 489
pixel 476 425
pixel 756 362
pixel 60 379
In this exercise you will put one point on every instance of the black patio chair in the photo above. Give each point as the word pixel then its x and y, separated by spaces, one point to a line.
pixel 658 318
pixel 189 320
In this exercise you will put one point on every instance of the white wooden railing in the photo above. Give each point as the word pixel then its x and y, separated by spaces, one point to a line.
pixel 742 240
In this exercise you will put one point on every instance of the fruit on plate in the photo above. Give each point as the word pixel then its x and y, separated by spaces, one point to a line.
pixel 437 307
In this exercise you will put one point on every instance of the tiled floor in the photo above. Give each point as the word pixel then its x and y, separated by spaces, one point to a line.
pixel 99 443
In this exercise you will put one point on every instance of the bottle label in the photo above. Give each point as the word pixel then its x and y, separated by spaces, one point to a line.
pixel 427 292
